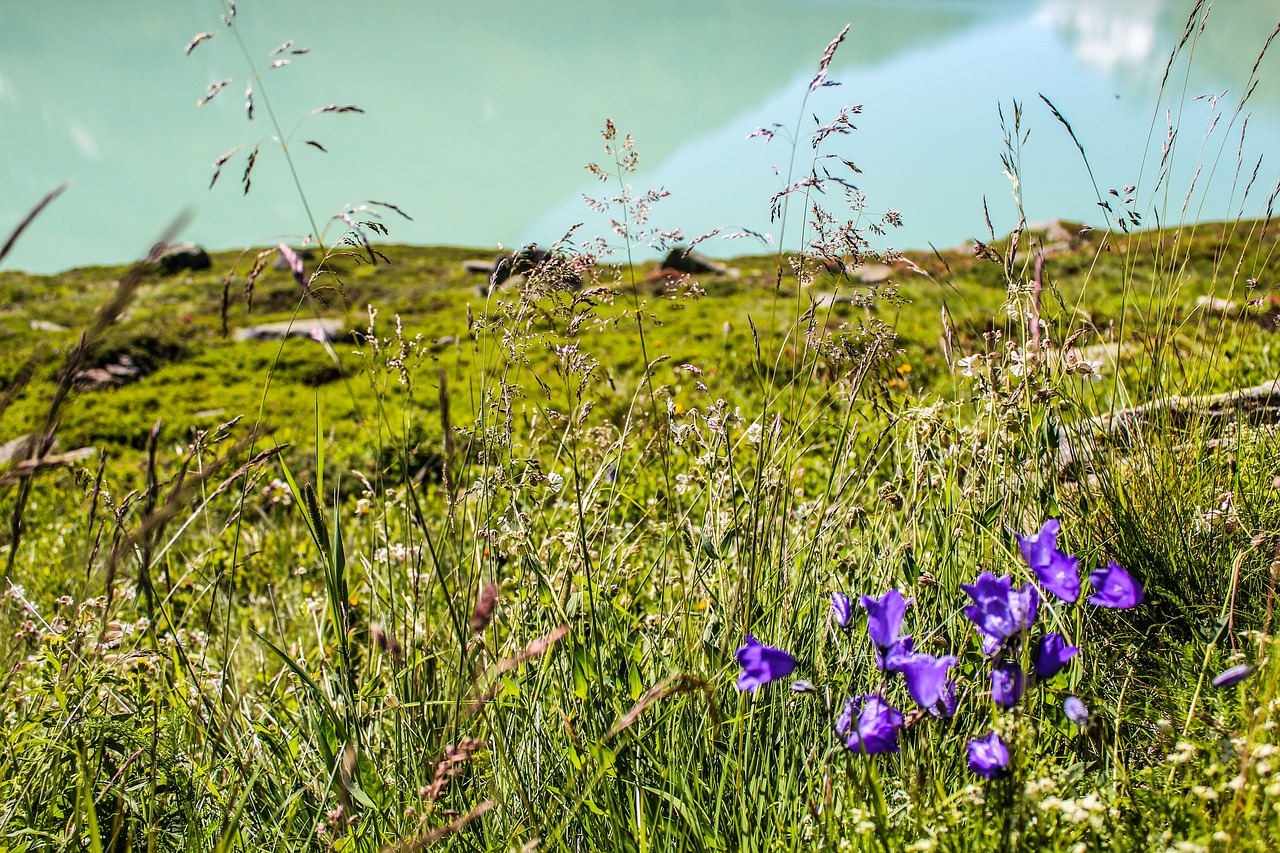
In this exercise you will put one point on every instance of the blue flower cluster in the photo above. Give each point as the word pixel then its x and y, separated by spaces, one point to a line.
pixel 1004 616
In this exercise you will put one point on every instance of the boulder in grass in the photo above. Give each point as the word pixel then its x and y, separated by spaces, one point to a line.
pixel 1054 231
pixel 523 262
pixel 318 330
pixel 830 300
pixel 120 372
pixel 1218 305
pixel 873 273
pixel 182 257
pixel 688 261
pixel 476 267
pixel 46 326
pixel 528 260
pixel 22 447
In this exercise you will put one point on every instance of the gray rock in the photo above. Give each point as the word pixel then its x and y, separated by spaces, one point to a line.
pixel 27 467
pixel 1053 231
pixel 121 372
pixel 873 273
pixel 1218 305
pixel 318 330
pixel 21 448
pixel 684 260
pixel 182 257
pixel 477 267
pixel 528 260
pixel 46 326
pixel 522 262
pixel 828 300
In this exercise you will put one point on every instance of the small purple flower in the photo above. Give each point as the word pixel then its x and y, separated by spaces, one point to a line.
pixel 1007 684
pixel 988 590
pixel 1061 576
pixel 988 756
pixel 802 686
pixel 1233 676
pixel 1022 604
pixel 761 664
pixel 990 608
pixel 1038 547
pixel 841 609
pixel 884 617
pixel 1075 710
pixel 926 678
pixel 1114 587
pixel 1052 654
pixel 875 729
pixel 896 655
pixel 999 610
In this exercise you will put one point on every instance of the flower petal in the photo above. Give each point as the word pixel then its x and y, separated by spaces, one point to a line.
pixel 841 609
pixel 761 664
pixel 988 756
pixel 1114 587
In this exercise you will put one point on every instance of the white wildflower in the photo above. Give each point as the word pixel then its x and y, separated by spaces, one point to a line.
pixel 1182 753
pixel 968 364
pixel 1017 365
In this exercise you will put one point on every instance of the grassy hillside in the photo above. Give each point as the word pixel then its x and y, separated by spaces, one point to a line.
pixel 1146 288
pixel 516 621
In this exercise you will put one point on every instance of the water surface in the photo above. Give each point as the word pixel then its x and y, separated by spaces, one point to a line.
pixel 480 116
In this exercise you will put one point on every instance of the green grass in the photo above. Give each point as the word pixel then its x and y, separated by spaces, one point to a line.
pixel 214 703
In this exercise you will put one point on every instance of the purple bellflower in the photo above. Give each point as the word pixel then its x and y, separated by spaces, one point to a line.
pixel 1058 572
pixel 988 756
pixel 999 610
pixel 1061 576
pixel 870 725
pixel 841 609
pixel 1233 676
pixel 1075 710
pixel 884 618
pixel 761 664
pixel 1007 684
pixel 896 655
pixel 926 678
pixel 1052 654
pixel 1023 602
pixel 1114 587
pixel 1038 548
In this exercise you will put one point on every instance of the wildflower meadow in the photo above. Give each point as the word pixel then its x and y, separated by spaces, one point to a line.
pixel 339 544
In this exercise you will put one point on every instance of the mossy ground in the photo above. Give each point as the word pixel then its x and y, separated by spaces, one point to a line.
pixel 196 377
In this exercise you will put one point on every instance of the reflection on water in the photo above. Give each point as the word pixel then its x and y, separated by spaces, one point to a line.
pixel 1103 35
pixel 480 116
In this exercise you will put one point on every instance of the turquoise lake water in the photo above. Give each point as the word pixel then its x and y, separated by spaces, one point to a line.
pixel 480 115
